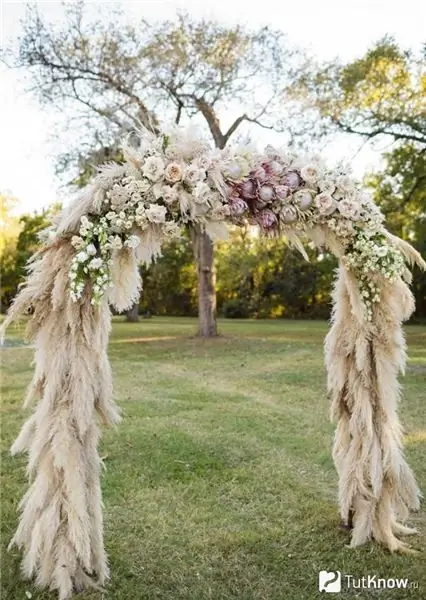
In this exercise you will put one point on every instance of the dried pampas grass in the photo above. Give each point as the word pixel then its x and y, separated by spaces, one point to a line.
pixel 60 529
pixel 363 359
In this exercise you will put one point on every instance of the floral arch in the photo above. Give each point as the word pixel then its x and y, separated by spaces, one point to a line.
pixel 90 259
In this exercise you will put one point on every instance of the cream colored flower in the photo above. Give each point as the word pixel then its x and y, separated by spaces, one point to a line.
pixel 349 209
pixel 324 203
pixel 310 173
pixel 173 172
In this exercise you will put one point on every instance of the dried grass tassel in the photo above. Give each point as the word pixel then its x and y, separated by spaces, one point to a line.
pixel 60 529
pixel 363 359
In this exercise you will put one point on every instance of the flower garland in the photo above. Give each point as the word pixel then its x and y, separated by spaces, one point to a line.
pixel 174 179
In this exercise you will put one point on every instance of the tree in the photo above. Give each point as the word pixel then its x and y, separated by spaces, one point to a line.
pixel 17 252
pixel 380 98
pixel 120 75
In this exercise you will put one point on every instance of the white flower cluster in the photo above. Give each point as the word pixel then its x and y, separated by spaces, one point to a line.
pixel 372 257
pixel 92 260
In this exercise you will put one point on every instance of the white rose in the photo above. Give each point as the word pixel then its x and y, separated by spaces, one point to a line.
pixel 132 242
pixel 169 194
pixel 153 168
pixel 91 250
pixel 324 203
pixel 142 185
pixel 203 162
pixel 194 174
pixel 327 186
pixel 173 172
pixel 349 209
pixel 202 193
pixel 156 213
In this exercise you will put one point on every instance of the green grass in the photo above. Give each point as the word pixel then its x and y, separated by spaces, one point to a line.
pixel 219 481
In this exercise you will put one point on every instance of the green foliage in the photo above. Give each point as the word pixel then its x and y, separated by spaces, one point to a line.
pixel 16 254
pixel 256 278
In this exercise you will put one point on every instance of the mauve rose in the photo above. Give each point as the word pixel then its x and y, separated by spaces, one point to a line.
pixel 237 206
pixel 260 174
pixel 288 214
pixel 266 193
pixel 247 189
pixel 282 191
pixel 292 179
pixel 267 219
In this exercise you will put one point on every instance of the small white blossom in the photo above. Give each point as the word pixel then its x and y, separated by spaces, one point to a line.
pixel 95 263
pixel 91 250
pixel 82 257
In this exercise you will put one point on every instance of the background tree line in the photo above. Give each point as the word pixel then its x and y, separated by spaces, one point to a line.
pixel 108 77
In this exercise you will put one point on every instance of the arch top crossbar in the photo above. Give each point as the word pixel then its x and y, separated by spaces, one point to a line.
pixel 89 260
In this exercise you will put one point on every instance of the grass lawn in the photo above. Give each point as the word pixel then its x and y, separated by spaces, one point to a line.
pixel 219 482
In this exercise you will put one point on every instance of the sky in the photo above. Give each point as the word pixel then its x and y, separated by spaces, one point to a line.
pixel 328 29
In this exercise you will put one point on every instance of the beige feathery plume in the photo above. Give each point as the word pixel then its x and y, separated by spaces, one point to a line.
pixel 363 362
pixel 60 528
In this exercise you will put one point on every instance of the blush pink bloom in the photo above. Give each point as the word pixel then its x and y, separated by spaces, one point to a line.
pixel 259 173
pixel 266 193
pixel 237 206
pixel 292 179
pixel 247 189
pixel 267 219
pixel 282 191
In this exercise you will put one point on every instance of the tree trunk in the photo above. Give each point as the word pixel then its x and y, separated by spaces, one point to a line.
pixel 204 258
pixel 132 315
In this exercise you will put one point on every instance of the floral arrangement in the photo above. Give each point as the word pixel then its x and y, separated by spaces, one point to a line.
pixel 174 179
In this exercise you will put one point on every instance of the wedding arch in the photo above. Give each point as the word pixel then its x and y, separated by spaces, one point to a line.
pixel 89 260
